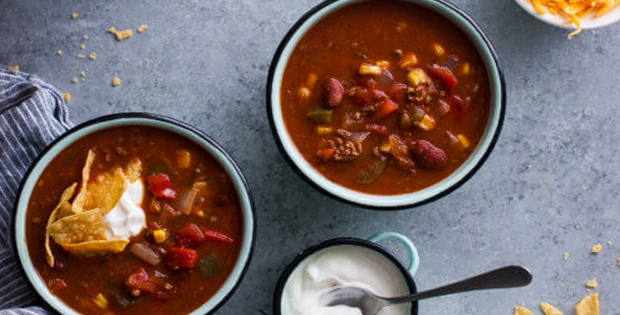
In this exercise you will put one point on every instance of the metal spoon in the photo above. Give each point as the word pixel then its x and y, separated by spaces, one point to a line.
pixel 371 304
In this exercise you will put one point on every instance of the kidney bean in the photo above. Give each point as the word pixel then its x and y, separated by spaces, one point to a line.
pixel 333 92
pixel 442 108
pixel 375 129
pixel 361 96
pixel 427 155
pixel 386 77
pixel 398 92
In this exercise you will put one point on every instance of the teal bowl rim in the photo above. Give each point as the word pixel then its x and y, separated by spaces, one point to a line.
pixel 390 202
pixel 144 119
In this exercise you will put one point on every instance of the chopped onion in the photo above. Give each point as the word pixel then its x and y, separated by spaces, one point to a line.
pixel 187 201
pixel 145 253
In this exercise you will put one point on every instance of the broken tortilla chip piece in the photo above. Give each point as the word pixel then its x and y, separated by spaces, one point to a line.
pixel 133 170
pixel 62 202
pixel 588 305
pixel 548 309
pixel 520 310
pixel 97 247
pixel 77 228
pixel 105 192
pixel 80 199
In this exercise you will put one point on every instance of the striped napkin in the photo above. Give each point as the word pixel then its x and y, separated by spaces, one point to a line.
pixel 32 114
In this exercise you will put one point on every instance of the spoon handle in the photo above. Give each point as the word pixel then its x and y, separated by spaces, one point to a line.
pixel 506 277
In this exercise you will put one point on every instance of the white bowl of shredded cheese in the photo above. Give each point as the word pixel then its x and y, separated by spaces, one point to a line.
pixel 574 14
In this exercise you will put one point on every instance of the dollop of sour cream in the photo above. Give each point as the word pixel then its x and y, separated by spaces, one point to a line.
pixel 344 265
pixel 127 217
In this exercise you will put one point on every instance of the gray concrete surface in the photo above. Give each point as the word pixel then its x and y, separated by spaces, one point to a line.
pixel 208 63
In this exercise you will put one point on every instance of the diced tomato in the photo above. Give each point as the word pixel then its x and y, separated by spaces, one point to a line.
pixel 387 107
pixel 457 106
pixel 444 75
pixel 140 280
pixel 181 258
pixel 325 154
pixel 375 129
pixel 189 236
pixel 57 285
pixel 160 186
pixel 218 237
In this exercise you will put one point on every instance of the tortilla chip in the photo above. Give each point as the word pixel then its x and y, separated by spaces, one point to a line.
pixel 548 309
pixel 80 227
pixel 588 305
pixel 80 199
pixel 133 170
pixel 62 202
pixel 66 209
pixel 520 310
pixel 98 247
pixel 105 192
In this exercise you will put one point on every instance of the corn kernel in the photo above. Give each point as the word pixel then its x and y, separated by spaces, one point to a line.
pixel 324 130
pixel 466 68
pixel 159 236
pixel 408 60
pixel 427 123
pixel 200 213
pixel 385 147
pixel 463 140
pixel 311 79
pixel 417 77
pixel 184 159
pixel 438 49
pixel 383 63
pixel 368 69
pixel 303 92
pixel 101 301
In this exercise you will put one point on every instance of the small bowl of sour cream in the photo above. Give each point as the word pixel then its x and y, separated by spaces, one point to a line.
pixel 347 262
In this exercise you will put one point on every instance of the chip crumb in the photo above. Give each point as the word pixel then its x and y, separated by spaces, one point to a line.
pixel 610 243
pixel 618 260
pixel 588 305
pixel 74 80
pixel 66 97
pixel 83 80
pixel 120 35
pixel 83 73
pixel 520 310
pixel 529 166
pixel 566 255
pixel 142 28
pixel 548 309
pixel 85 37
pixel 13 68
pixel 74 16
pixel 80 56
pixel 92 56
pixel 592 283
pixel 59 52
pixel 596 249
pixel 83 46
pixel 116 81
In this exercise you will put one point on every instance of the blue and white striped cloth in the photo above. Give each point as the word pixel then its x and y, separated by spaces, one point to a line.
pixel 32 114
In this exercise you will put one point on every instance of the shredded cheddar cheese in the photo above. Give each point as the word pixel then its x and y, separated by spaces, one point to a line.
pixel 574 10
